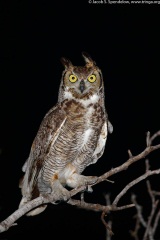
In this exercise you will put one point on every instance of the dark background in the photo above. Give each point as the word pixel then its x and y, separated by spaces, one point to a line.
pixel 124 41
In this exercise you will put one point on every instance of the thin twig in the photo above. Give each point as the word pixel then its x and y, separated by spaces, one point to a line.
pixel 139 211
pixel 155 135
pixel 155 225
pixel 149 231
pixel 130 153
pixel 148 141
pixel 134 233
pixel 97 207
pixel 130 161
pixel 108 202
pixel 154 217
pixel 147 165
pixel 156 193
pixel 131 184
pixel 106 224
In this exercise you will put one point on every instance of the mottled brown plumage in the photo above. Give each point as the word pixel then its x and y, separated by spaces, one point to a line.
pixel 71 136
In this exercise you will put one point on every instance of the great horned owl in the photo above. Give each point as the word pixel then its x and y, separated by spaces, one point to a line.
pixel 71 136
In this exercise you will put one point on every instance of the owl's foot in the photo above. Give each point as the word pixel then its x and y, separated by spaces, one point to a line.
pixel 77 180
pixel 59 192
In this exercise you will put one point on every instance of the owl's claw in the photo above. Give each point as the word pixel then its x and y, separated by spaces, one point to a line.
pixel 59 192
pixel 76 180
pixel 92 180
pixel 89 189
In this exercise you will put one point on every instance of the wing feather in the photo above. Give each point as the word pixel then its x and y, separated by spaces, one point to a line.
pixel 101 142
pixel 45 138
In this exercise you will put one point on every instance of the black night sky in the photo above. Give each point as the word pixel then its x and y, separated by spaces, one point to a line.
pixel 124 41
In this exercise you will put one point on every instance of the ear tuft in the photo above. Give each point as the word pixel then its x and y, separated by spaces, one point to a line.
pixel 66 63
pixel 88 60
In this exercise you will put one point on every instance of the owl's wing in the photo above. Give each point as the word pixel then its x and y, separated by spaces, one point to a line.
pixel 107 127
pixel 46 136
pixel 110 127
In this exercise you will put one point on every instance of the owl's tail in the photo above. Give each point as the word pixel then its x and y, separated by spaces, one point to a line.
pixel 26 200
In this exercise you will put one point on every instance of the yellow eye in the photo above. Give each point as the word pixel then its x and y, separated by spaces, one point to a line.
pixel 72 78
pixel 92 78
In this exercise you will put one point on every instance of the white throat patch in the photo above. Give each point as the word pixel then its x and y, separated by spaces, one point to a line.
pixel 85 102
pixel 93 99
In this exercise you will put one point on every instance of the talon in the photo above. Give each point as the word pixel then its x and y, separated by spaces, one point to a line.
pixel 89 189
pixel 56 202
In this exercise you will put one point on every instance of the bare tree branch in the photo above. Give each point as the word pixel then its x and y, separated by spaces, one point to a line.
pixel 50 198
pixel 148 141
pixel 155 225
pixel 139 211
pixel 151 224
pixel 134 233
pixel 131 184
pixel 130 161
pixel 106 224
pixel 156 193
pixel 108 233
pixel 149 231
pixel 155 135
pixel 97 207
pixel 8 222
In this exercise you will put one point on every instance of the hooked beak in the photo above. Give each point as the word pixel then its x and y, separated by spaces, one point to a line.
pixel 82 86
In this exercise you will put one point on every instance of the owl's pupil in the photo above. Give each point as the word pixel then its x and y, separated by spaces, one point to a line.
pixel 91 77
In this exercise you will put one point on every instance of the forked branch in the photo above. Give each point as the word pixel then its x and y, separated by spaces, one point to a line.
pixel 150 225
pixel 50 198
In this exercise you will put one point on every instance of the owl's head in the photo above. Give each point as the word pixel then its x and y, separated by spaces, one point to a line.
pixel 81 82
